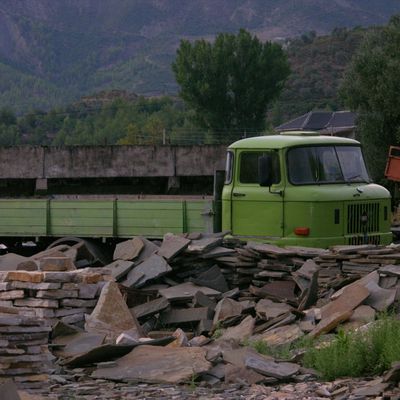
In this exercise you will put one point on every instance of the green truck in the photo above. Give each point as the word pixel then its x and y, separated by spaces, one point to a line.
pixel 296 188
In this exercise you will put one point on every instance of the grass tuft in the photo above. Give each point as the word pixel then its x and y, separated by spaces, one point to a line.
pixel 358 353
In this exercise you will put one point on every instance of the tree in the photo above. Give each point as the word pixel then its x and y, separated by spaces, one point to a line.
pixel 371 87
pixel 230 83
pixel 7 117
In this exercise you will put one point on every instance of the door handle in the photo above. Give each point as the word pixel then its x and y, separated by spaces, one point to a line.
pixel 239 194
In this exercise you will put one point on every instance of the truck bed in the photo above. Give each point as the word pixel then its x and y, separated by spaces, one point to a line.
pixel 106 216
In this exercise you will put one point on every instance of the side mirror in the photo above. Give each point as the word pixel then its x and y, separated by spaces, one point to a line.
pixel 265 171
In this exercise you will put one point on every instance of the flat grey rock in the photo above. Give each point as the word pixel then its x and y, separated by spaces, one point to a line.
pixel 268 309
pixel 154 267
pixel 283 370
pixel 172 245
pixel 203 245
pixel 128 250
pixel 157 365
pixel 391 270
pixel 186 291
pixel 111 314
pixel 150 308
pixel 77 343
pixel 212 278
pixel 119 268
pixel 380 299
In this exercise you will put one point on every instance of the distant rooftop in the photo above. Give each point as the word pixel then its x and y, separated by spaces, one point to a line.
pixel 339 123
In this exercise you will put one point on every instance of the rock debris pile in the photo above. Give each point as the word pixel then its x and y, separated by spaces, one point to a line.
pixel 185 309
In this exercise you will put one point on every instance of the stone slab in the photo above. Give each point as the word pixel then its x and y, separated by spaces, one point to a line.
pixel 119 268
pixel 5 286
pixel 112 312
pixel 150 308
pixel 24 276
pixel 35 286
pixel 74 318
pixel 56 294
pixel 177 316
pixel 270 249
pixel 203 245
pixel 172 245
pixel 186 291
pixel 282 335
pixel 380 299
pixel 157 365
pixel 12 294
pixel 267 309
pixel 240 332
pixel 78 303
pixel 329 323
pixel 227 308
pixel 218 252
pixel 201 300
pixel 60 277
pixel 62 312
pixel 283 370
pixel 212 278
pixel 390 270
pixel 155 266
pixel 9 390
pixel 372 276
pixel 128 250
pixel 88 290
pixel 17 320
pixel 350 299
pixel 77 343
pixel 234 374
pixel 31 302
pixel 56 264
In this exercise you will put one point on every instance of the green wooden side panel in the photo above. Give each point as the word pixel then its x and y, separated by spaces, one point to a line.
pixel 199 216
pixel 149 218
pixel 23 217
pixel 104 218
pixel 81 218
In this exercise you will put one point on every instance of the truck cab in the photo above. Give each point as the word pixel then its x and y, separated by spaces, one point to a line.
pixel 301 188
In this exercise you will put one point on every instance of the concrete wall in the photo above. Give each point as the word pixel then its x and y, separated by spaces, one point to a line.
pixel 31 162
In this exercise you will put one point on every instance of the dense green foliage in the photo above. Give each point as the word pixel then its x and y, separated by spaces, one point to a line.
pixel 371 87
pixel 358 353
pixel 118 121
pixel 230 83
pixel 54 52
pixel 318 64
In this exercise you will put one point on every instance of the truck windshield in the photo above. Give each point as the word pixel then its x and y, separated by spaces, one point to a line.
pixel 326 164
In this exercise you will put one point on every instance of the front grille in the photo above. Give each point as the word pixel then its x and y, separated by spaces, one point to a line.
pixel 357 240
pixel 355 213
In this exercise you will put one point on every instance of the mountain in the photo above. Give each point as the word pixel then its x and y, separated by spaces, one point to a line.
pixel 52 52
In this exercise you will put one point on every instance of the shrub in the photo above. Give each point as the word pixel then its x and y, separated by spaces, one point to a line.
pixel 358 353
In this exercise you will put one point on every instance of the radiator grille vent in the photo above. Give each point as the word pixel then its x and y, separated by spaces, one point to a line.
pixel 357 240
pixel 358 212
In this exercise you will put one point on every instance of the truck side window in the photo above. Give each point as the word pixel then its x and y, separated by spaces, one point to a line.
pixel 228 168
pixel 249 166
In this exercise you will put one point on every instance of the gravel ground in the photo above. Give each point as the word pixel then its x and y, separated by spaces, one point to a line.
pixel 84 388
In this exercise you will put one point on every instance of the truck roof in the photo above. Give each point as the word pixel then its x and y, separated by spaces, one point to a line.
pixel 289 139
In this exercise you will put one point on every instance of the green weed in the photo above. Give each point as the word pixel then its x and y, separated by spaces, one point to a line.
pixel 358 353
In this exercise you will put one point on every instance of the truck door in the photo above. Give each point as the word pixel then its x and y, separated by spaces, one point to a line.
pixel 256 211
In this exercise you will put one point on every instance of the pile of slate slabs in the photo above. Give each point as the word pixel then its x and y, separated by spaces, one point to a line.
pixel 194 301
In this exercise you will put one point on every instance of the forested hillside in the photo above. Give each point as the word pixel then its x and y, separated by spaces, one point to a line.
pixel 111 117
pixel 318 64
pixel 53 52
